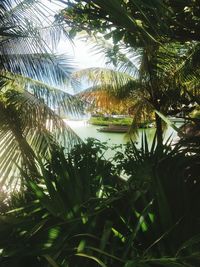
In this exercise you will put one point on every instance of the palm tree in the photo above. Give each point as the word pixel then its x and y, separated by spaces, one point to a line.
pixel 33 82
pixel 137 24
pixel 152 80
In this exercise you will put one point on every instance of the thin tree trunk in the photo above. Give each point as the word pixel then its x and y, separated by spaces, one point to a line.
pixel 159 130
pixel 154 89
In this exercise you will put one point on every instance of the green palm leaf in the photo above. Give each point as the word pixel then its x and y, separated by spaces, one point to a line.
pixel 114 82
pixel 34 83
pixel 26 117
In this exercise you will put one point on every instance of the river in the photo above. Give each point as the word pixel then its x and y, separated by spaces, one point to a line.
pixel 85 130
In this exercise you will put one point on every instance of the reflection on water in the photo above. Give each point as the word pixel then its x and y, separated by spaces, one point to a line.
pixel 85 130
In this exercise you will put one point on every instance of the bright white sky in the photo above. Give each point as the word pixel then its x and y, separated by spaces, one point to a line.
pixel 82 53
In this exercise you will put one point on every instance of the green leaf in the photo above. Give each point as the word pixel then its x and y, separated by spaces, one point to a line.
pixel 51 261
pixel 170 123
pixel 92 258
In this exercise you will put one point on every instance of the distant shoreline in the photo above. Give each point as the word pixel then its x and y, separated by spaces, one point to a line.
pixel 115 122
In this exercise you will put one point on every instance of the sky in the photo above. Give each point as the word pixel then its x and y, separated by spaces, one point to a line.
pixel 82 53
pixel 83 56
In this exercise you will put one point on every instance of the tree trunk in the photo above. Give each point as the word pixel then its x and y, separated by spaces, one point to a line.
pixel 159 130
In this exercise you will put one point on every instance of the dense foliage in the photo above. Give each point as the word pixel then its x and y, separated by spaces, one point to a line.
pixel 163 32
pixel 136 22
pixel 81 213
pixel 105 121
pixel 75 208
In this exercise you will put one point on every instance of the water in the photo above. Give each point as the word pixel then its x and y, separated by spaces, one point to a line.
pixel 85 130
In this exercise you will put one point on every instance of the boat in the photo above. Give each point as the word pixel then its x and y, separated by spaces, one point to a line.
pixel 114 129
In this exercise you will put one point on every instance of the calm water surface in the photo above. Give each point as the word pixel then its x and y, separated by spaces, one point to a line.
pixel 85 130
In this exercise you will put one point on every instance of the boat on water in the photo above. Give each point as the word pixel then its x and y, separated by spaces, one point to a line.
pixel 114 129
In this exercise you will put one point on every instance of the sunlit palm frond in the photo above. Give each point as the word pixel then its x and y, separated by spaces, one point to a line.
pixel 48 68
pixel 124 59
pixel 117 83
pixel 28 27
pixel 47 76
pixel 30 40
pixel 29 24
pixel 47 121
pixel 26 121
pixel 58 100
pixel 129 61
pixel 35 86
pixel 100 100
pixel 19 12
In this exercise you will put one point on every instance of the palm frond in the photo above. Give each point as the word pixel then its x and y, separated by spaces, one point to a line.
pixel 104 102
pixel 26 120
pixel 114 82
pixel 189 72
pixel 124 59
pixel 37 82
pixel 51 69
pixel 29 23
pixel 19 11
pixel 58 100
